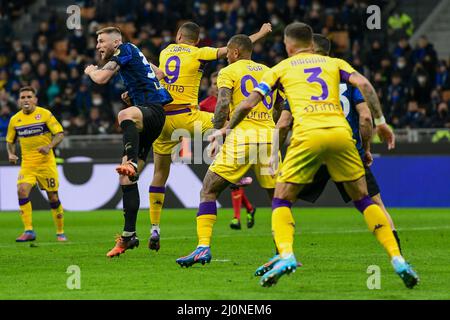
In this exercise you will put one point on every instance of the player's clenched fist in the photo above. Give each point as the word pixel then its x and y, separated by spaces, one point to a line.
pixel 126 98
pixel 266 28
pixel 90 68
pixel 44 149
pixel 12 158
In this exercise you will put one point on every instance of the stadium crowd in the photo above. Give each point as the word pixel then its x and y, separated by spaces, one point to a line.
pixel 412 82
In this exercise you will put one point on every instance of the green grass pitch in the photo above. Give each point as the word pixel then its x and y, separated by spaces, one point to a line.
pixel 334 246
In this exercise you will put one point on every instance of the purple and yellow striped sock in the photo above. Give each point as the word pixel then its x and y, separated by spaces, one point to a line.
pixel 378 224
pixel 206 218
pixel 26 213
pixel 283 226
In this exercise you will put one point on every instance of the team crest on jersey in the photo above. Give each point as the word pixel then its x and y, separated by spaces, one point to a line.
pixel 117 52
pixel 38 117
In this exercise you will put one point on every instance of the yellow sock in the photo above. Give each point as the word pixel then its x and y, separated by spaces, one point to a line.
pixel 283 227
pixel 205 224
pixel 58 216
pixel 156 196
pixel 26 213
pixel 378 224
pixel 206 218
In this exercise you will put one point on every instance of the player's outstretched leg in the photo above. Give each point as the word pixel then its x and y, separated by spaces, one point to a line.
pixel 283 232
pixel 378 223
pixel 213 185
pixel 58 215
pixel 128 239
pixel 128 119
pixel 23 191
pixel 157 193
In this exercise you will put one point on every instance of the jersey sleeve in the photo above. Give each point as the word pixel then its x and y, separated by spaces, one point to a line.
pixel 225 79
pixel 357 96
pixel 268 82
pixel 11 133
pixel 53 125
pixel 345 69
pixel 207 53
pixel 122 55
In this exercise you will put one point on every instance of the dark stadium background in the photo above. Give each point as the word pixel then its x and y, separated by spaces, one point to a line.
pixel 407 60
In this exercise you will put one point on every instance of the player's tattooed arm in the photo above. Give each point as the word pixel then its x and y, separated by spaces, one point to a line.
pixel 12 157
pixel 365 130
pixel 368 92
pixel 244 108
pixel 277 109
pixel 222 107
pixel 104 74
pixel 365 124
pixel 370 96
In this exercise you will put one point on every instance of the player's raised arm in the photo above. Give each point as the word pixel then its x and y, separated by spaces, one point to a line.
pixel 370 96
pixel 104 74
pixel 111 49
pixel 266 28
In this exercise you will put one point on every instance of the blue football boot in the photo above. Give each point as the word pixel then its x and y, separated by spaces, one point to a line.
pixel 200 255
pixel 281 267
pixel 405 271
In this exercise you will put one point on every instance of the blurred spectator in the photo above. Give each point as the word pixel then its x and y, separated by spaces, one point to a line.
pixel 209 104
pixel 441 119
pixel 5 116
pixel 414 118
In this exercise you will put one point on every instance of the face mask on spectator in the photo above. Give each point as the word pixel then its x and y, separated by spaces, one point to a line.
pixel 97 101
pixel 401 64
pixel 421 79
pixel 167 39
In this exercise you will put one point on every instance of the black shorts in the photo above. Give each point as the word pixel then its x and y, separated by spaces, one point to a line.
pixel 312 191
pixel 153 118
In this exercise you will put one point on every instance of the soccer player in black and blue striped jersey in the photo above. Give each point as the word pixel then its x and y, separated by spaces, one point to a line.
pixel 141 122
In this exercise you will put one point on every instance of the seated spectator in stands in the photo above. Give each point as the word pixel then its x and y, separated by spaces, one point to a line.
pixel 403 68
pixel 403 49
pixel 443 76
pixel 209 104
pixel 77 125
pixel 54 87
pixel 423 49
pixel 421 88
pixel 396 95
pixel 5 116
pixel 413 118
pixel 441 119
pixel 374 56
pixel 83 100
pixel 98 123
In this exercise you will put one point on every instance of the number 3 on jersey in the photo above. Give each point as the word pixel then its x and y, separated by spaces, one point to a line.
pixel 246 93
